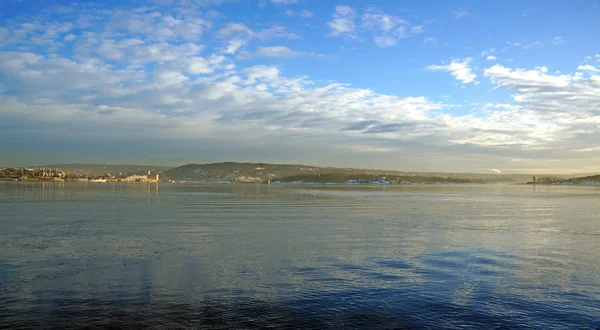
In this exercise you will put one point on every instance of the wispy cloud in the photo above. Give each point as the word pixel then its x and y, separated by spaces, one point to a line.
pixel 592 149
pixel 430 40
pixel 304 13
pixel 275 51
pixel 534 44
pixel 343 22
pixel 379 21
pixel 558 40
pixel 238 35
pixel 386 30
pixel 284 2
pixel 460 13
pixel 488 52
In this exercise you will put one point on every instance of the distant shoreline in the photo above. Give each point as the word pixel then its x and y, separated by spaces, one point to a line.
pixel 325 184
pixel 233 172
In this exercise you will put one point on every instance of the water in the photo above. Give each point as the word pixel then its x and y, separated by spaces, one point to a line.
pixel 257 256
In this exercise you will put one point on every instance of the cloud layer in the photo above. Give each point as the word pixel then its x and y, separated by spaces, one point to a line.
pixel 126 77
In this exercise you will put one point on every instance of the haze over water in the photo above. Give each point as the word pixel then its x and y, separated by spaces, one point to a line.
pixel 254 256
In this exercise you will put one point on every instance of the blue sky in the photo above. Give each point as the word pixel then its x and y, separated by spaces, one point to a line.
pixel 473 86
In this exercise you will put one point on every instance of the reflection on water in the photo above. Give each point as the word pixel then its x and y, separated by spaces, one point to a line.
pixel 253 256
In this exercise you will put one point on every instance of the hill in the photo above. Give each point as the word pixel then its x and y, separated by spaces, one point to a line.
pixel 261 172
pixel 592 180
pixel 231 171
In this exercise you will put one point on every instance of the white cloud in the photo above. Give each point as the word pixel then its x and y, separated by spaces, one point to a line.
pixel 459 69
pixel 458 14
pixel 531 45
pixel 343 22
pixel 199 65
pixel 588 67
pixel 565 109
pixel 491 58
pixel 513 78
pixel 510 44
pixel 587 149
pixel 167 77
pixel 136 52
pixel 238 35
pixel 4 32
pixel 234 29
pixel 233 46
pixel 385 41
pixel 275 31
pixel 110 50
pixel 189 26
pixel 306 14
pixel 275 51
pixel 558 40
pixel 284 2
pixel 261 73
pixel 528 12
pixel 488 52
pixel 417 29
pixel 201 3
pixel 378 21
pixel 386 29
pixel 69 37
pixel 534 44
pixel 430 40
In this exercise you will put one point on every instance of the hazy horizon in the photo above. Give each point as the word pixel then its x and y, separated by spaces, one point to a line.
pixel 483 171
pixel 453 86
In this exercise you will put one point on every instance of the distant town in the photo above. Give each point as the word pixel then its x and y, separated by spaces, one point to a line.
pixel 59 175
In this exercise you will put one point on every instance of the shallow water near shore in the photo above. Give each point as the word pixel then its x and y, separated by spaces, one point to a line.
pixel 262 256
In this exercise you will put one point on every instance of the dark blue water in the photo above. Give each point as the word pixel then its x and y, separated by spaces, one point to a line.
pixel 258 256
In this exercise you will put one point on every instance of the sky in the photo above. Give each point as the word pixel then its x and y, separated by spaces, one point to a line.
pixel 454 86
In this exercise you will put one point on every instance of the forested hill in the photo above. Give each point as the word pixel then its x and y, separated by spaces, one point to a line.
pixel 261 172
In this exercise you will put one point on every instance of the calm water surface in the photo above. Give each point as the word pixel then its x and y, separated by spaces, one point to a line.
pixel 257 256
